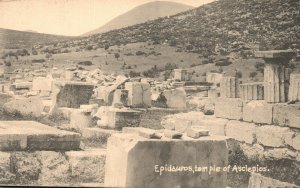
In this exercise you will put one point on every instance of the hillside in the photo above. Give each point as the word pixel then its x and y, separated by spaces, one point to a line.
pixel 24 39
pixel 142 13
pixel 223 26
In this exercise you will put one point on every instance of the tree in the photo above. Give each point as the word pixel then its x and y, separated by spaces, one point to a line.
pixel 106 47
pixel 117 55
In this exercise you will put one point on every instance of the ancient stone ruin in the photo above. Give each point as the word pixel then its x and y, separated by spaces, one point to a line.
pixel 116 131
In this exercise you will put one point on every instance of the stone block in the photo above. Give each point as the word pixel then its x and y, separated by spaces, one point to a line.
pixel 279 153
pixel 42 84
pixel 147 133
pixel 72 94
pixel 176 98
pixel 139 94
pixel 80 119
pixel 172 134
pixel 6 175
pixel 54 168
pixel 214 77
pixel 32 107
pixel 241 131
pixel 271 135
pixel 181 75
pixel 293 140
pixel 229 108
pixel 117 118
pixel 213 93
pixel 252 91
pixel 258 112
pixel 272 54
pixel 252 151
pixel 196 132
pixel 215 126
pixel 258 181
pixel 287 115
pixel 120 97
pixel 124 167
pixel 21 135
pixel 87 166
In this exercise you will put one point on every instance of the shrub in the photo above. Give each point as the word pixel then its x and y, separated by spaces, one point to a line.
pixel 134 74
pixel 38 60
pixel 139 53
pixel 117 55
pixel 106 47
pixel 252 74
pixel 89 47
pixel 238 74
pixel 85 63
pixel 223 63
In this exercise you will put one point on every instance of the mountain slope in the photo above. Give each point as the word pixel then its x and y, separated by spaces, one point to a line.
pixel 24 39
pixel 142 13
pixel 222 26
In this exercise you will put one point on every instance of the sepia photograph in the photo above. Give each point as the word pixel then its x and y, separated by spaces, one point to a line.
pixel 150 93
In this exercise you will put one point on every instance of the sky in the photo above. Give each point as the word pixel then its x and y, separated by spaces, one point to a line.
pixel 67 17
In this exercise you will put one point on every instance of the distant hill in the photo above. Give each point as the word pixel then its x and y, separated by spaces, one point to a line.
pixel 142 13
pixel 24 39
pixel 222 26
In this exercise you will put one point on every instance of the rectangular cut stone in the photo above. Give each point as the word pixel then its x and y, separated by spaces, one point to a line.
pixel 196 132
pixel 29 135
pixel 229 108
pixel 181 75
pixel 125 169
pixel 139 94
pixel 118 118
pixel 146 133
pixel 172 134
pixel 42 84
pixel 276 80
pixel 87 166
pixel 176 98
pixel 215 126
pixel 293 140
pixel 252 91
pixel 22 85
pixel 213 93
pixel 213 77
pixel 258 112
pixel 72 94
pixel 294 88
pixel 275 54
pixel 241 131
pixel 271 135
pixel 287 115
pixel 259 181
pixel 229 87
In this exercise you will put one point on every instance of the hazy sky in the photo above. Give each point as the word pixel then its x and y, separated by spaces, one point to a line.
pixel 67 17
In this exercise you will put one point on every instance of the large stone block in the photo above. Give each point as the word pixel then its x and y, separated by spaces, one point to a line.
pixel 117 118
pixel 6 175
pixel 271 135
pixel 216 126
pixel 258 112
pixel 181 75
pixel 87 166
pixel 259 181
pixel 176 98
pixel 21 135
pixel 80 119
pixel 32 107
pixel 214 77
pixel 229 108
pixel 287 115
pixel 139 94
pixel 293 140
pixel 124 167
pixel 241 131
pixel 72 94
pixel 42 84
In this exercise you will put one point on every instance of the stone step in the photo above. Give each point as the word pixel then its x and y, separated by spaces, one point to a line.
pixel 29 135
